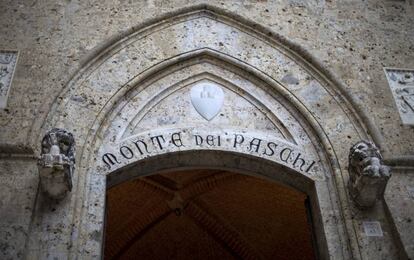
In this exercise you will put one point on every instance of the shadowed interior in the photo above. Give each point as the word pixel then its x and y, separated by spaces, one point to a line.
pixel 206 214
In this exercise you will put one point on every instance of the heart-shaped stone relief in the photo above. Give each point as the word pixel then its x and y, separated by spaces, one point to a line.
pixel 207 98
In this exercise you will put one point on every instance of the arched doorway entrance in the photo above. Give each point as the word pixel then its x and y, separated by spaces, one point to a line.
pixel 283 117
pixel 206 214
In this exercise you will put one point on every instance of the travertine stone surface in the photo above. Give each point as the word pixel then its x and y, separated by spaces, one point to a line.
pixel 295 73
pixel 352 38
pixel 400 201
pixel 18 192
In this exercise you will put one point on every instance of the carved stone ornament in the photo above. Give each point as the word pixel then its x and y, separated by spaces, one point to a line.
pixel 401 82
pixel 207 98
pixel 57 163
pixel 8 60
pixel 368 174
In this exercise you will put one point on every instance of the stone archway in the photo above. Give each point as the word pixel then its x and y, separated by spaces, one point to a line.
pixel 246 165
pixel 291 115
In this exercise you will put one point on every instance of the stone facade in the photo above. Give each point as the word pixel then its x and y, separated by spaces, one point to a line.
pixel 296 85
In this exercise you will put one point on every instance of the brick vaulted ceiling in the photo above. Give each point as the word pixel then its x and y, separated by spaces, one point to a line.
pixel 206 214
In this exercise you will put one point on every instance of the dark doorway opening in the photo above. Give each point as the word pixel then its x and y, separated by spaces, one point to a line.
pixel 206 214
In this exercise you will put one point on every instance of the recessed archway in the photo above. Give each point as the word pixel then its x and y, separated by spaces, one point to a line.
pixel 206 214
pixel 288 85
pixel 245 165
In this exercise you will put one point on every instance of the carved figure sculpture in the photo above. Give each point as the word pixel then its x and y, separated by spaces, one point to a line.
pixel 57 163
pixel 368 174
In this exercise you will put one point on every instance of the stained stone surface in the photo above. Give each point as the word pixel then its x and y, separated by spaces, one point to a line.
pixel 97 69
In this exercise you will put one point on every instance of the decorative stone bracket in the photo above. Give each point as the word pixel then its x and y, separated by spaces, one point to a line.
pixel 57 163
pixel 368 174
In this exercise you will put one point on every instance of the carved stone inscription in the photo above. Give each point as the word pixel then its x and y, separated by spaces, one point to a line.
pixel 401 83
pixel 143 146
pixel 372 228
pixel 8 61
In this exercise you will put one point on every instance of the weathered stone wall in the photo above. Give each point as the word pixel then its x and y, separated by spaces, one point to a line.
pixel 18 192
pixel 352 39
pixel 400 199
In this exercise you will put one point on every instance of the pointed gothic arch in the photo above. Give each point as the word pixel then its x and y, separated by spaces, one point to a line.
pixel 322 119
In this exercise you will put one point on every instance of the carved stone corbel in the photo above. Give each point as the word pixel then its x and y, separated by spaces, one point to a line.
pixel 368 174
pixel 57 163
